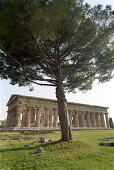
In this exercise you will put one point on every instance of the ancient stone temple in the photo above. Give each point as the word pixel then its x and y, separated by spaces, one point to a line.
pixel 33 113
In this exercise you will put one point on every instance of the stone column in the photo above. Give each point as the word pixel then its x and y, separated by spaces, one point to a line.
pixel 88 120
pixel 55 123
pixel 23 122
pixel 98 121
pixel 99 117
pixel 18 116
pixel 24 115
pixel 38 117
pixel 79 118
pixel 82 119
pixel 70 117
pixel 28 116
pixel 11 118
pixel 107 120
pixel 96 118
pixel 76 120
pixel 51 118
pixel 47 111
pixel 102 120
pixel 8 119
pixel 85 116
pixel 32 119
pixel 93 121
pixel 42 118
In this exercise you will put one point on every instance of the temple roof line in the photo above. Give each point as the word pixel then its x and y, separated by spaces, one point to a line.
pixel 13 96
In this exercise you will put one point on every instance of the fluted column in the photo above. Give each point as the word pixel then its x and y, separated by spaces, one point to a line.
pixel 93 121
pixel 18 116
pixel 11 119
pixel 8 119
pixel 23 123
pixel 47 111
pixel 55 123
pixel 82 119
pixel 24 115
pixel 98 120
pixel 107 120
pixel 88 120
pixel 70 117
pixel 102 120
pixel 28 116
pixel 15 118
pixel 79 118
pixel 32 117
pixel 42 117
pixel 76 120
pixel 51 118
pixel 38 117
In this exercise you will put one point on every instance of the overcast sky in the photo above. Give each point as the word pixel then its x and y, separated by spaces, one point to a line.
pixel 101 94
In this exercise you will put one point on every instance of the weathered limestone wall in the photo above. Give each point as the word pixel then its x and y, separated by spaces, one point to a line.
pixel 39 113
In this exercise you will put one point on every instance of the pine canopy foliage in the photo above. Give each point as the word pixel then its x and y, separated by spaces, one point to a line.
pixel 40 39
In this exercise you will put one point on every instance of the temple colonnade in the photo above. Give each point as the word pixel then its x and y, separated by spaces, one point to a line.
pixel 40 114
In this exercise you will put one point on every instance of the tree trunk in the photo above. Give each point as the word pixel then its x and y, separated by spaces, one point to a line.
pixel 63 112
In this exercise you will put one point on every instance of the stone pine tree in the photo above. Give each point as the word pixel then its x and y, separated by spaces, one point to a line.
pixel 61 43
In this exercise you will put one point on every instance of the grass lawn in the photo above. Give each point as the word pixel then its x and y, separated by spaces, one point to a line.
pixel 83 153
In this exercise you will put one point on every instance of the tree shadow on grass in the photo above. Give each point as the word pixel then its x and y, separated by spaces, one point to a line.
pixel 47 144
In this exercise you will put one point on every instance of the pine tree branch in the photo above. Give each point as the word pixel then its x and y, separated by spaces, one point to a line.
pixel 42 54
pixel 41 84
pixel 28 70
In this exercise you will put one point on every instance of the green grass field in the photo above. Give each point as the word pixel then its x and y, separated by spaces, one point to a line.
pixel 83 153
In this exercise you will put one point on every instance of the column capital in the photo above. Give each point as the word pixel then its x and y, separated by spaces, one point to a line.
pixel 29 106
pixel 106 113
pixel 47 110
pixel 38 108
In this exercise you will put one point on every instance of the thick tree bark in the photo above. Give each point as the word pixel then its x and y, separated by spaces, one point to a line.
pixel 63 112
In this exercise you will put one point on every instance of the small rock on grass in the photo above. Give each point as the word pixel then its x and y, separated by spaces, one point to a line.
pixel 40 150
pixel 30 144
pixel 112 143
pixel 45 139
pixel 42 140
pixel 106 143
pixel 35 142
